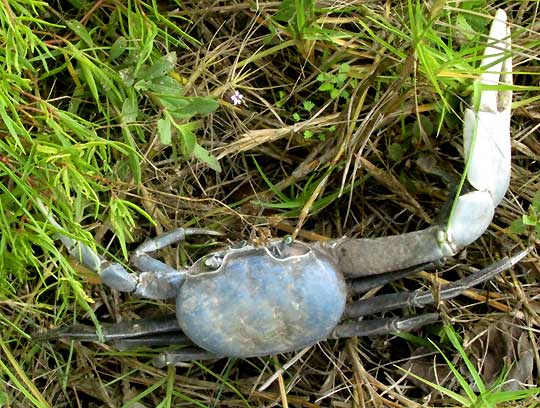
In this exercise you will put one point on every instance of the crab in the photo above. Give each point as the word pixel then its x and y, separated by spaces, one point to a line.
pixel 250 300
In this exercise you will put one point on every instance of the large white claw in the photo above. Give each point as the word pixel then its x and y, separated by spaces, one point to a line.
pixel 486 134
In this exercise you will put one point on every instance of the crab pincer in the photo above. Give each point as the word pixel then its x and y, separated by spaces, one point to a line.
pixel 486 138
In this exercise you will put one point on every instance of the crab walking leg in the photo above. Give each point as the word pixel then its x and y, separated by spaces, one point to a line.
pixel 420 298
pixel 157 280
pixel 367 283
pixel 150 332
pixel 181 356
pixel 486 135
pixel 379 327
pixel 112 331
pixel 176 338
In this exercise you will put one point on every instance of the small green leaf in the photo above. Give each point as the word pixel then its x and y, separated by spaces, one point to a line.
pixel 166 86
pixel 327 86
pixel 164 128
pixel 465 28
pixel 334 93
pixel 80 30
pixel 172 103
pixel 122 222
pixel 323 77
pixel 159 69
pixel 518 227
pixel 296 117
pixel 188 138
pixel 308 105
pixel 118 48
pixel 535 203
pixel 286 11
pixel 529 220
pixel 4 400
pixel 201 154
pixel 142 85
pixel 75 124
pixel 395 151
pixel 344 68
pixel 190 106
pixel 422 126
pixel 87 71
pixel 130 109
pixel 340 79
pixel 282 99
pixel 308 134
pixel 127 77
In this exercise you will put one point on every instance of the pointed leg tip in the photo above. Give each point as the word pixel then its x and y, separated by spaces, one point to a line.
pixel 520 255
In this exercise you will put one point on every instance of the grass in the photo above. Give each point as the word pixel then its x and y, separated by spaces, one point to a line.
pixel 117 115
pixel 474 393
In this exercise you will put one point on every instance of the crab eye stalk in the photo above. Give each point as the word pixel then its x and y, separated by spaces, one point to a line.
pixel 213 262
pixel 239 244
pixel 281 249
pixel 288 240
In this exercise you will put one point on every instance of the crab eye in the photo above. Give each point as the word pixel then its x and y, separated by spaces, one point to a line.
pixel 239 245
pixel 288 240
pixel 279 250
pixel 213 262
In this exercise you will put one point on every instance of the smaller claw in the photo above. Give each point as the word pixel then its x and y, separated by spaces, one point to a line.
pixel 111 273
pixel 80 251
pixel 156 279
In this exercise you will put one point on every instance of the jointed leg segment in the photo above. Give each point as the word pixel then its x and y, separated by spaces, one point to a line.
pixel 379 327
pixel 420 298
pixel 112 332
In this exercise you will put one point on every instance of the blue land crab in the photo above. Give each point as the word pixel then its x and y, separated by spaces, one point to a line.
pixel 253 300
